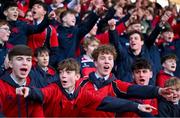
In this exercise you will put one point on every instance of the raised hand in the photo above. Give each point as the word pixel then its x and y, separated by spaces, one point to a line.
pixel 166 17
pixel 165 92
pixel 112 24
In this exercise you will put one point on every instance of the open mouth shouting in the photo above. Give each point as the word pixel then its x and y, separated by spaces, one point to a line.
pixel 142 81
pixel 64 82
pixel 23 71
pixel 106 68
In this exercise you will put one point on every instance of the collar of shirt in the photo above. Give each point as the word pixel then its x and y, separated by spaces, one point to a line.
pixel 14 79
pixel 37 22
pixel 45 69
pixel 176 103
pixel 69 91
pixel 169 73
pixel 97 76
pixel 87 57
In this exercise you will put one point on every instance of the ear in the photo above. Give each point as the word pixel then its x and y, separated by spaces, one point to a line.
pixel 85 49
pixel 64 18
pixel 151 74
pixel 133 75
pixel 95 63
pixel 163 65
pixel 5 12
pixel 142 42
pixel 44 12
pixel 10 63
pixel 78 76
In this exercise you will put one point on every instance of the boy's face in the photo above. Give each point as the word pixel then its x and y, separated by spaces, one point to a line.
pixel 136 26
pixel 21 66
pixel 11 13
pixel 69 19
pixel 68 79
pixel 104 64
pixel 142 76
pixel 169 65
pixel 168 36
pixel 43 59
pixel 38 11
pixel 29 16
pixel 175 96
pixel 119 12
pixel 4 33
pixel 92 45
pixel 135 42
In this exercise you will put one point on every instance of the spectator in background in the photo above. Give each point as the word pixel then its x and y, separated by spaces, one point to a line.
pixel 86 60
pixel 4 46
pixel 70 35
pixel 167 44
pixel 138 48
pixel 28 17
pixel 20 30
pixel 169 64
pixel 48 37
pixel 42 66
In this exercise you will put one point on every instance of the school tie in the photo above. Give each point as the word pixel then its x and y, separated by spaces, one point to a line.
pixel 70 95
pixel 102 80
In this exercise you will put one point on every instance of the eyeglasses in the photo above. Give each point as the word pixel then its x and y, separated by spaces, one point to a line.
pixel 6 29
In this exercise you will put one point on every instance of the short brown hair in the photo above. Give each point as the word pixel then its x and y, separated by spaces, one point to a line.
pixel 69 64
pixel 136 32
pixel 20 50
pixel 40 50
pixel 168 56
pixel 104 49
pixel 173 82
pixel 3 22
pixel 88 40
pixel 64 13
pixel 141 64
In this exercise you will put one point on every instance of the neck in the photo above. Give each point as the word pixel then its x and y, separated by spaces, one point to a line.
pixel 19 81
pixel 70 89
pixel 65 25
pixel 102 76
pixel 137 52
pixel 168 72
pixel 44 68
pixel 39 20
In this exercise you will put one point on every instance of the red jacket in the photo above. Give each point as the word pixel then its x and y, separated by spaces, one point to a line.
pixel 114 87
pixel 106 90
pixel 12 105
pixel 58 103
pixel 162 77
pixel 176 28
pixel 38 40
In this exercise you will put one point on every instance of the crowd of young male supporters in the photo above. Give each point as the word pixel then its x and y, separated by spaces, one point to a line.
pixel 127 64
